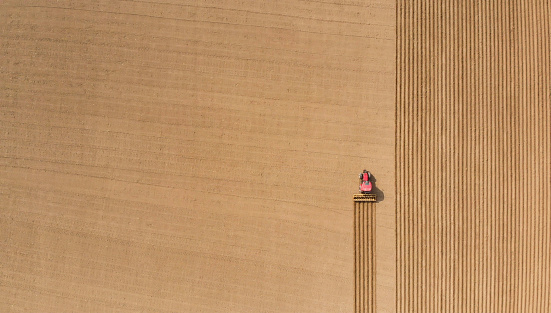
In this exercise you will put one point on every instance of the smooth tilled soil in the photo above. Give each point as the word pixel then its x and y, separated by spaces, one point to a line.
pixel 191 156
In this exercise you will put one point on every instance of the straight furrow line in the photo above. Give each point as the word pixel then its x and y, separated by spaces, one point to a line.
pixel 473 156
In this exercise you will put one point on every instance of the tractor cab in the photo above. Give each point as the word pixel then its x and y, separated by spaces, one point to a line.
pixel 365 182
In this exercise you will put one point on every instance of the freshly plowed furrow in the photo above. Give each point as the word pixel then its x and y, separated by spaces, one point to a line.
pixel 364 251
pixel 473 155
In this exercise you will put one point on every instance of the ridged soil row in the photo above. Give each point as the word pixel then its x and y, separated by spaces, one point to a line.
pixel 364 235
pixel 473 156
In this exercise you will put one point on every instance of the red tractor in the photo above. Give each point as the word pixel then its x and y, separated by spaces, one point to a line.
pixel 365 182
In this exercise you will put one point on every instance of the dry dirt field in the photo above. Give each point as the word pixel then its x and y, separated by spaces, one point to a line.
pixel 474 130
pixel 191 156
pixel 201 156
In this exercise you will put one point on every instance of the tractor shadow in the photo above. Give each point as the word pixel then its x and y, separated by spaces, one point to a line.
pixel 380 194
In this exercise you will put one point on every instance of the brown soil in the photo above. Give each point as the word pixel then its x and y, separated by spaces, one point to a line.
pixel 192 156
pixel 201 156
pixel 364 252
pixel 474 156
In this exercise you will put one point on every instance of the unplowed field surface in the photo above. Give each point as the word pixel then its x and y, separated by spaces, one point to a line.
pixel 192 156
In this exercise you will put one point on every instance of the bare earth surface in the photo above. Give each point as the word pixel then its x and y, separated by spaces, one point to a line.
pixel 201 156
pixel 194 156
pixel 474 156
